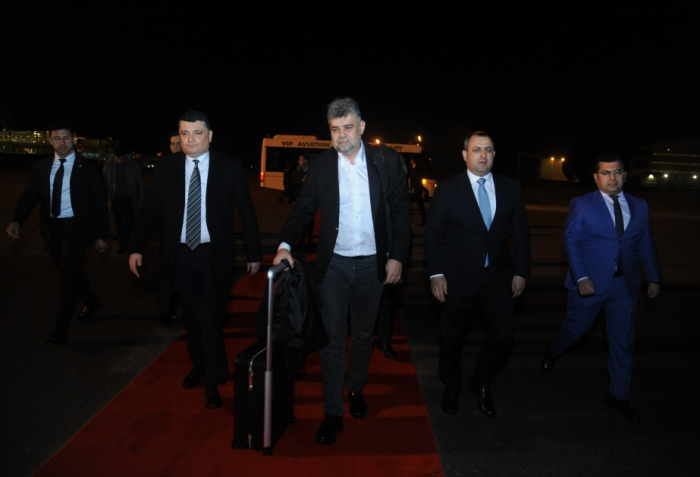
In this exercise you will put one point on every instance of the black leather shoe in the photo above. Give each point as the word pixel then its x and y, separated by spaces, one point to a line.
pixel 388 350
pixel 192 379
pixel 358 406
pixel 329 428
pixel 484 401
pixel 55 338
pixel 211 392
pixel 88 312
pixel 622 407
pixel 450 402
pixel 548 360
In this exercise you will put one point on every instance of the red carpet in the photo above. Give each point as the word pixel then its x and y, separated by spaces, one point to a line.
pixel 155 427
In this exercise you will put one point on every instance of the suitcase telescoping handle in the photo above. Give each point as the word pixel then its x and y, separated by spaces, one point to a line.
pixel 267 420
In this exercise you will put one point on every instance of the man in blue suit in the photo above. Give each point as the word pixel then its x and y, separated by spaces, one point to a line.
pixel 608 234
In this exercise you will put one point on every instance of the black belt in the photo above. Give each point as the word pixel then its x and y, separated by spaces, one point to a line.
pixel 200 245
pixel 357 257
pixel 64 220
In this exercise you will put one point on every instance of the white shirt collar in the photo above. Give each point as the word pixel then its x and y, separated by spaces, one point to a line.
pixel 473 178
pixel 360 158
pixel 70 158
pixel 203 158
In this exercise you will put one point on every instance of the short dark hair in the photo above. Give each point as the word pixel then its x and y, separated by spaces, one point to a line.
pixel 608 158
pixel 193 117
pixel 61 125
pixel 174 133
pixel 341 107
pixel 478 134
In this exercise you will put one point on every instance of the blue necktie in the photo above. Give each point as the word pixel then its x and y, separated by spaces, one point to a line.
pixel 485 206
pixel 194 210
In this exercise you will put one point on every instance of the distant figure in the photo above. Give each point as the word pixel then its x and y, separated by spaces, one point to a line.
pixel 608 234
pixel 288 191
pixel 355 256
pixel 196 193
pixel 175 142
pixel 472 218
pixel 298 178
pixel 125 189
pixel 73 215
pixel 416 189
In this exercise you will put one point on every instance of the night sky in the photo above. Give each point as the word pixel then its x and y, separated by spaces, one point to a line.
pixel 568 82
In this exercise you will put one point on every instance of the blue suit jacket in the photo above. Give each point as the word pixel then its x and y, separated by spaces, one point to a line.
pixel 592 244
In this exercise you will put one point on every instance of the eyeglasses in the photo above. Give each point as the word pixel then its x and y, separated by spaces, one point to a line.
pixel 617 172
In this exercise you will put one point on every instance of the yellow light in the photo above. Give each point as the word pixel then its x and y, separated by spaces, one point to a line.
pixel 665 175
pixel 562 159
pixel 552 159
pixel 377 141
pixel 651 176
pixel 424 181
pixel 420 138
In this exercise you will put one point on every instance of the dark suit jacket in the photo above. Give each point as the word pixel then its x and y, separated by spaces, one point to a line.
pixel 321 190
pixel 87 193
pixel 592 244
pixel 457 240
pixel 227 189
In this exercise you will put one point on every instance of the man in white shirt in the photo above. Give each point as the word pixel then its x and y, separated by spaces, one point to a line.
pixel 195 193
pixel 73 214
pixel 608 234
pixel 359 250
pixel 472 217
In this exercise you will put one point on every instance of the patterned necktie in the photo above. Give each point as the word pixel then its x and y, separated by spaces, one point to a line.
pixel 619 228
pixel 194 209
pixel 485 206
pixel 57 190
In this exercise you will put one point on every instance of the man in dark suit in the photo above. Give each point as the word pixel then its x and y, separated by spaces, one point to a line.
pixel 73 214
pixel 195 193
pixel 608 234
pixel 355 254
pixel 472 216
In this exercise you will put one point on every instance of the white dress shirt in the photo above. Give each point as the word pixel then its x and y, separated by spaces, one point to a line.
pixel 355 225
pixel 203 167
pixel 490 191
pixel 66 204
pixel 623 205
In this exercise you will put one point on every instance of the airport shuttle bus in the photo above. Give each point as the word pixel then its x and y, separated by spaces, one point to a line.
pixel 283 151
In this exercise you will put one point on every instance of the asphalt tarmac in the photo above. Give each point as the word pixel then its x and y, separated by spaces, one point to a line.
pixel 547 423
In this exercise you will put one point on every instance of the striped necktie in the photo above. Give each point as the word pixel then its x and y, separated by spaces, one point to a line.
pixel 194 209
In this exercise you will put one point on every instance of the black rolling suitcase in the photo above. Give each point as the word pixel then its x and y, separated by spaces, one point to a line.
pixel 263 400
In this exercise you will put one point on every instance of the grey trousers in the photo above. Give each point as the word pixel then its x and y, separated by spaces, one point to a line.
pixel 350 283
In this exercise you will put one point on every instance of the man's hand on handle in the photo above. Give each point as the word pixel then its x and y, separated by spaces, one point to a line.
pixel 13 230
